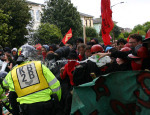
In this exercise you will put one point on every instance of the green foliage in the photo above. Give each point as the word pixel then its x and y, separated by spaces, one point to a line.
pixel 121 35
pixel 48 34
pixel 115 32
pixel 141 29
pixel 64 15
pixel 5 29
pixel 137 28
pixel 126 34
pixel 20 16
pixel 146 26
pixel 91 32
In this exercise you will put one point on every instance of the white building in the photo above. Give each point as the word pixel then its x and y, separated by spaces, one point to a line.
pixel 36 10
pixel 87 20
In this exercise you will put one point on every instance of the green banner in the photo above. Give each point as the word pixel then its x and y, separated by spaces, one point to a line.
pixel 119 93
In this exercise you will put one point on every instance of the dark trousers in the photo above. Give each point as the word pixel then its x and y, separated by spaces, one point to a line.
pixel 40 108
pixel 13 102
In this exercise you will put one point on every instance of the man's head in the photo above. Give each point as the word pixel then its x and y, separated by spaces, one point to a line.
pixel 81 49
pixel 121 42
pixel 45 48
pixel 14 51
pixel 72 55
pixel 88 51
pixel 135 39
pixel 78 41
pixel 94 40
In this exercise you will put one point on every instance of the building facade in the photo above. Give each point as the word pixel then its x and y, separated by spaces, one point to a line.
pixel 97 24
pixel 87 20
pixel 36 11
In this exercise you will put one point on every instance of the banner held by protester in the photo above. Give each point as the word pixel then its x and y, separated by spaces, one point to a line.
pixel 107 23
pixel 119 93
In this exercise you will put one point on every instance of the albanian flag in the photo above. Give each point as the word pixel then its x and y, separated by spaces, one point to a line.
pixel 107 23
pixel 67 37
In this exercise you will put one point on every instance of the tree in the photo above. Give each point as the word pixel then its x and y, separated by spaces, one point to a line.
pixel 91 32
pixel 115 32
pixel 48 34
pixel 5 29
pixel 137 28
pixel 146 26
pixel 64 15
pixel 20 16
pixel 121 35
pixel 126 34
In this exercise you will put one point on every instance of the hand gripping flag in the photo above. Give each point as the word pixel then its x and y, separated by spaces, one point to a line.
pixel 67 36
pixel 107 23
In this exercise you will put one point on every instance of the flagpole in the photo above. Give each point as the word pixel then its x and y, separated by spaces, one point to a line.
pixel 60 43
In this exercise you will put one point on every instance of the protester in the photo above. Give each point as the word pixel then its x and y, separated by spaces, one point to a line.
pixel 114 43
pixel 65 73
pixel 45 49
pixel 135 40
pixel 7 49
pixel 52 48
pixel 94 41
pixel 139 52
pixel 39 50
pixel 137 56
pixel 146 43
pixel 88 51
pixel 34 84
pixel 1 54
pixel 10 63
pixel 4 99
pixel 14 53
pixel 78 41
pixel 119 64
pixel 81 51
pixel 70 66
pixel 108 48
pixel 120 43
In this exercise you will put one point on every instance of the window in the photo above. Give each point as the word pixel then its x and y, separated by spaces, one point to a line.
pixel 32 14
pixel 38 15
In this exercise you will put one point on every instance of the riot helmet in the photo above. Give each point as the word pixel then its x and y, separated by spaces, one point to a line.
pixel 26 52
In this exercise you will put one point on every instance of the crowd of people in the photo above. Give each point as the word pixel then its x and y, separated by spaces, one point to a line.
pixel 65 66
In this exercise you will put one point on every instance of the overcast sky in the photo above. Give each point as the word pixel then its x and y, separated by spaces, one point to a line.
pixel 127 14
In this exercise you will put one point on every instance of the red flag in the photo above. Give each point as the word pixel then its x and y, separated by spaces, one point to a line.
pixel 107 23
pixel 128 38
pixel 67 36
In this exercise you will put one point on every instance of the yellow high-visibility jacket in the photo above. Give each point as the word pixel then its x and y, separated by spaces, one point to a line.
pixel 33 82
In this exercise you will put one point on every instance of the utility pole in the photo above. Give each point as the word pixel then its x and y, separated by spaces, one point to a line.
pixel 84 34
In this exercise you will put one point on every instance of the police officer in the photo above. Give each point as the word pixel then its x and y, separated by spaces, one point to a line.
pixel 33 83
pixel 4 99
